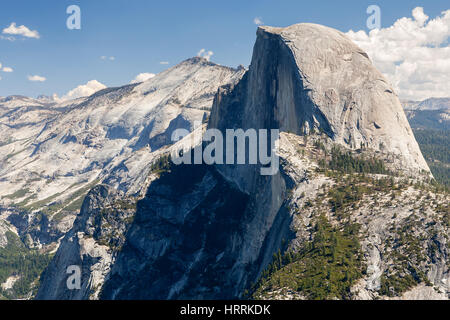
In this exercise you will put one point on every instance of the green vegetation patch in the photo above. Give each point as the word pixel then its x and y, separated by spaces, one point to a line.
pixel 435 147
pixel 407 253
pixel 326 268
pixel 18 194
pixel 11 155
pixel 161 165
pixel 346 162
pixel 27 264
pixel 71 205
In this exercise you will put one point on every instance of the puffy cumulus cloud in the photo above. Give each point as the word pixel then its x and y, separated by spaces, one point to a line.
pixel 84 90
pixel 413 53
pixel 36 78
pixel 13 29
pixel 258 21
pixel 205 54
pixel 5 69
pixel 141 77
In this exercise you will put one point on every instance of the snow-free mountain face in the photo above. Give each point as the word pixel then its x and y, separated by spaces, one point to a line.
pixel 209 232
pixel 51 153
pixel 427 104
pixel 348 181
pixel 432 113
pixel 309 77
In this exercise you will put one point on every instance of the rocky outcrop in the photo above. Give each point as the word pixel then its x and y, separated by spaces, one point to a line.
pixel 85 247
pixel 208 232
pixel 51 153
pixel 402 230
pixel 309 77
pixel 184 239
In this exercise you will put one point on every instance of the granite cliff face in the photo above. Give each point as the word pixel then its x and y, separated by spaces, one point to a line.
pixel 208 232
pixel 51 153
pixel 82 246
pixel 308 76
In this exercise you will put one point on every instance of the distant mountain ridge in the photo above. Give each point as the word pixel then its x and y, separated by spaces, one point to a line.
pixel 432 113
pixel 427 104
pixel 430 120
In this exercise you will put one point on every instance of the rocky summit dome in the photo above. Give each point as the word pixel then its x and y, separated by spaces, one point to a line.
pixel 310 76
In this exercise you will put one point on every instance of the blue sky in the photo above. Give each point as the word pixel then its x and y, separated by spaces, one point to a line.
pixel 140 34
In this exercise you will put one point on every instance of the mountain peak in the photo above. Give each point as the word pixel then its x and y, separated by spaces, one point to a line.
pixel 201 61
pixel 308 77
pixel 198 60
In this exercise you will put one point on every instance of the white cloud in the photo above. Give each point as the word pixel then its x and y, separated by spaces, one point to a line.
pixel 9 38
pixel 13 29
pixel 164 62
pixel 5 69
pixel 205 54
pixel 413 53
pixel 258 21
pixel 56 98
pixel 84 90
pixel 141 77
pixel 37 78
pixel 108 58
